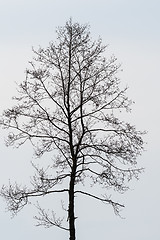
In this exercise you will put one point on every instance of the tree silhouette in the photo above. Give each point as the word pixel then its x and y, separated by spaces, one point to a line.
pixel 68 105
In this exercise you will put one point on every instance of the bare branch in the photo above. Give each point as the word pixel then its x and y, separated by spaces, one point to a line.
pixel 116 206
pixel 48 220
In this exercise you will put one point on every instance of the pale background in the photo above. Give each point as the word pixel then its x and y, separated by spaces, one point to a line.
pixel 131 28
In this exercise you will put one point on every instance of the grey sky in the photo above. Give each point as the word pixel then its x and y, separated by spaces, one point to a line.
pixel 131 28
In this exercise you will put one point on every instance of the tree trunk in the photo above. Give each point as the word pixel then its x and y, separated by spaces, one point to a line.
pixel 71 208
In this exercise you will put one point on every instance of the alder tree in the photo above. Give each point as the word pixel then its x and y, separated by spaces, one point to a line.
pixel 70 106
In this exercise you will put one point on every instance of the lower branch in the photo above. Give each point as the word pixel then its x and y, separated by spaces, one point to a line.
pixel 17 197
pixel 116 206
pixel 48 220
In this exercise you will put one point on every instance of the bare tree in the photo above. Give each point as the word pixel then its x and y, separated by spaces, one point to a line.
pixel 68 104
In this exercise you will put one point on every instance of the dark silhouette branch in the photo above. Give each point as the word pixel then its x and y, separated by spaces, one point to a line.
pixel 48 220
pixel 115 205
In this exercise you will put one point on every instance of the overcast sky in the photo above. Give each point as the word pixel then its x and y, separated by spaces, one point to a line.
pixel 131 28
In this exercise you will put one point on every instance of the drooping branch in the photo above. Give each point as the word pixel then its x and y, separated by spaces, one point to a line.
pixel 17 197
pixel 116 206
pixel 48 220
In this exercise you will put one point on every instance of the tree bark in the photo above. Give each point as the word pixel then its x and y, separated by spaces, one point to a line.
pixel 71 213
